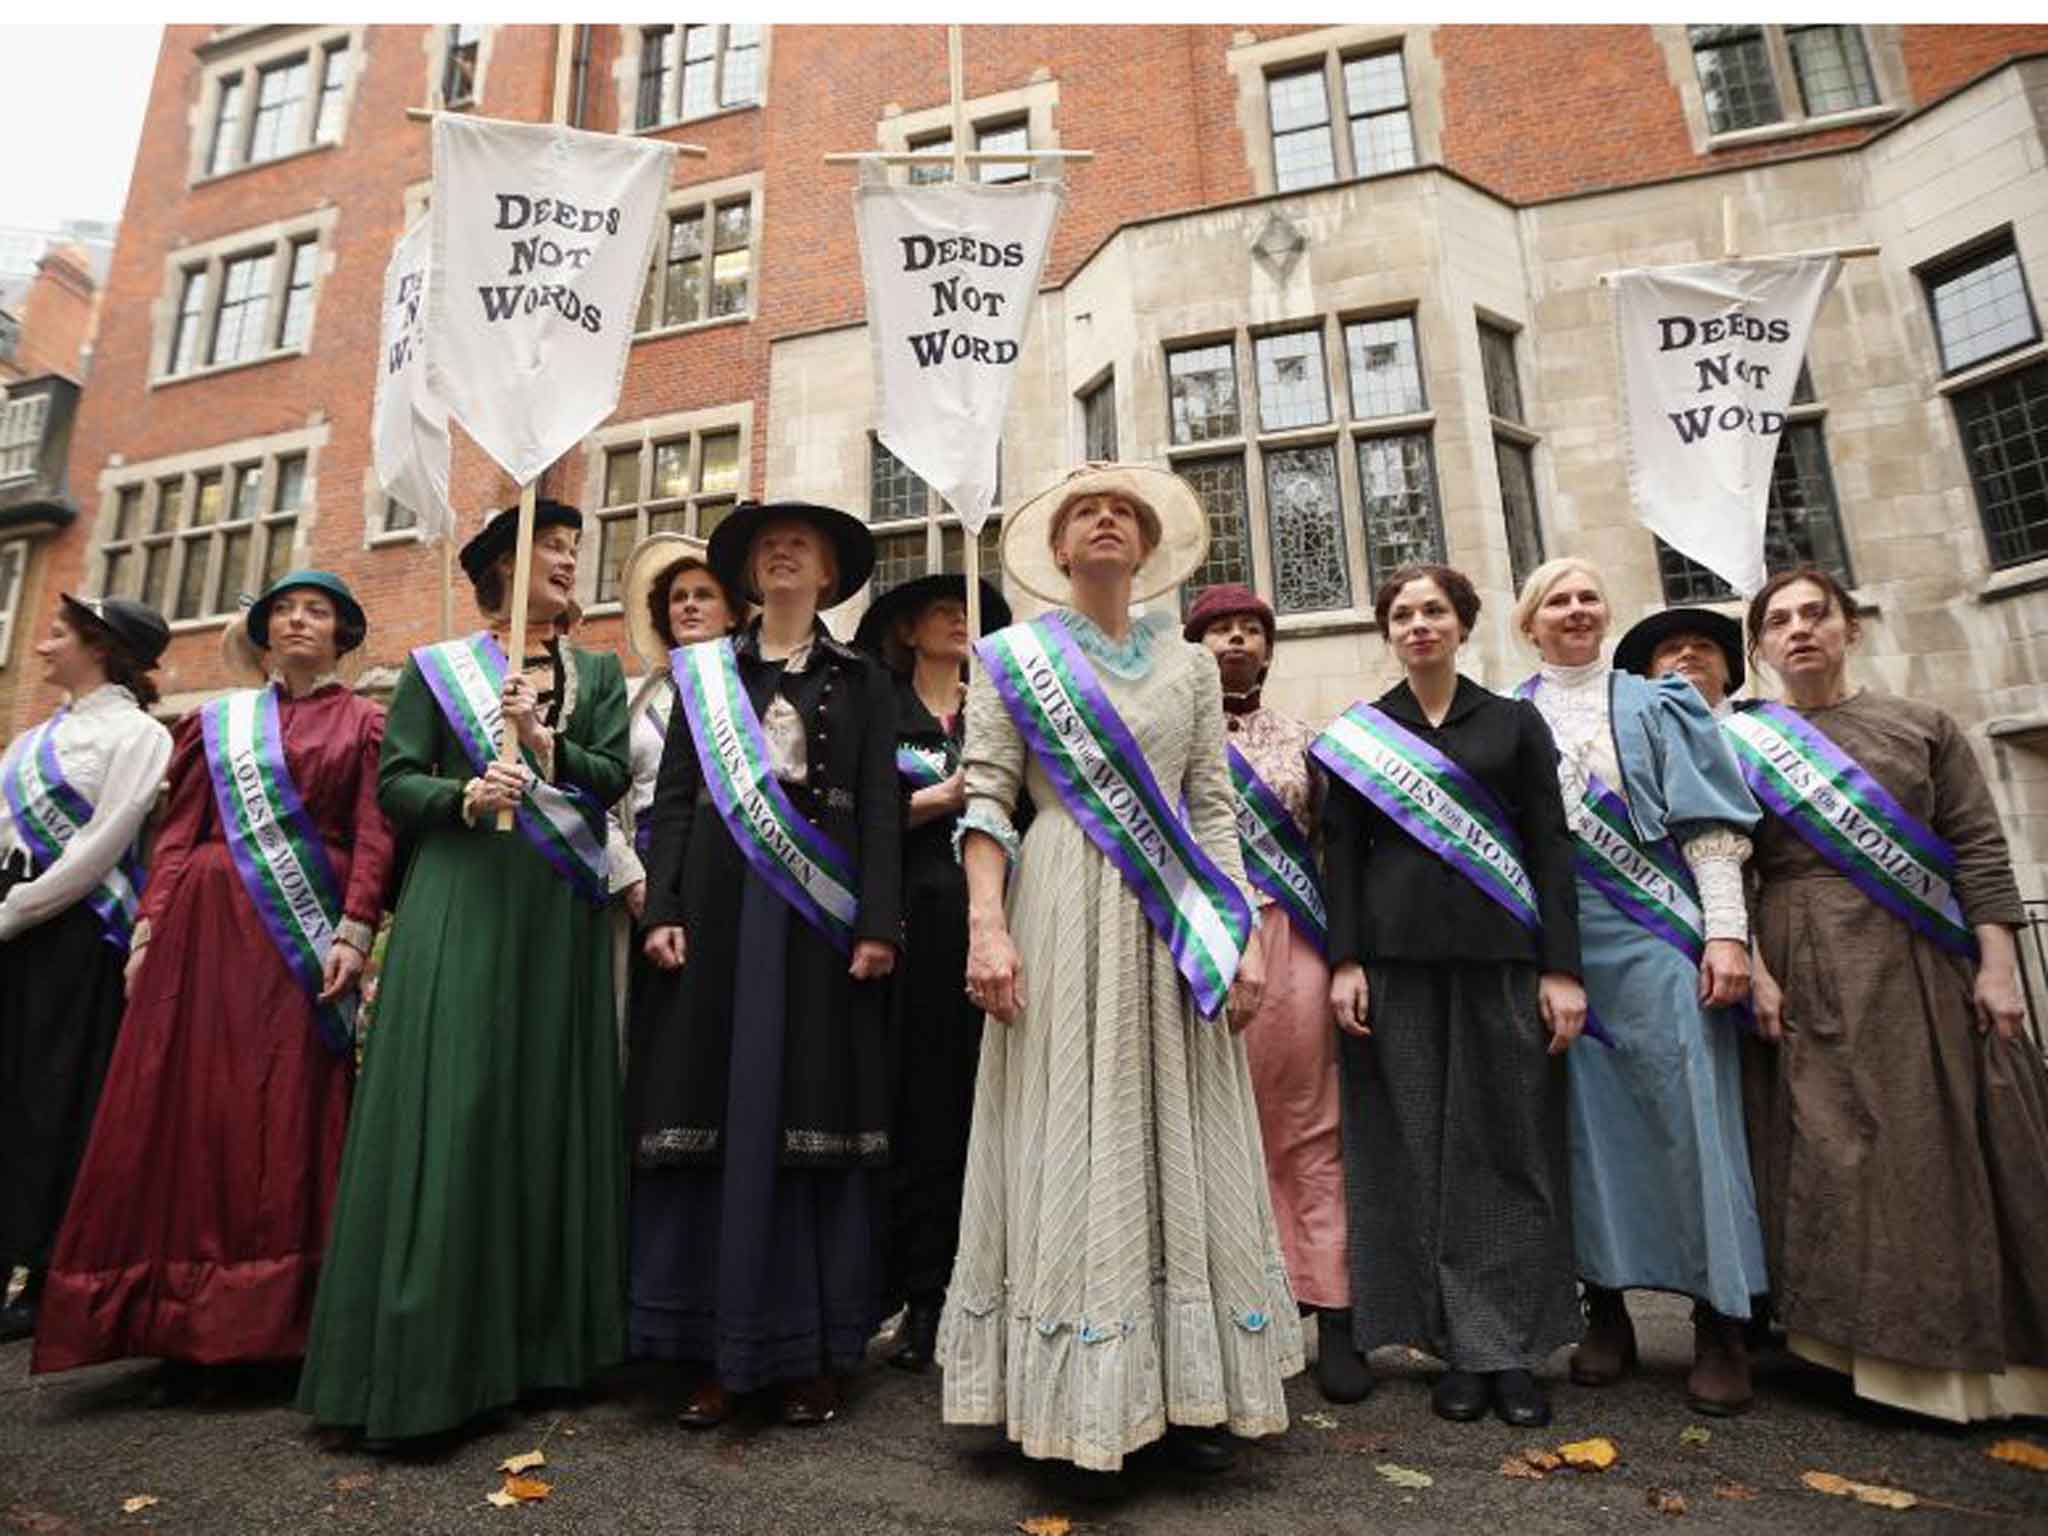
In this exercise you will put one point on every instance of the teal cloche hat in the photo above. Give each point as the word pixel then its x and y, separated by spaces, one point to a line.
pixel 345 603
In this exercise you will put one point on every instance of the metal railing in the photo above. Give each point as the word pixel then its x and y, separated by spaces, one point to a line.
pixel 2033 941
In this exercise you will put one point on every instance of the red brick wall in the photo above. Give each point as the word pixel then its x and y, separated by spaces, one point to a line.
pixel 56 318
pixel 1939 59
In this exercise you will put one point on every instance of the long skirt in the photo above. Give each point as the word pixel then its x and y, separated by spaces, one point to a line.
pixel 1661 1192
pixel 199 1222
pixel 1456 1169
pixel 1292 1046
pixel 60 1011
pixel 761 1273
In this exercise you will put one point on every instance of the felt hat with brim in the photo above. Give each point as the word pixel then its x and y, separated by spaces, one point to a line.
pixel 653 558
pixel 500 533
pixel 909 599
pixel 1228 600
pixel 238 653
pixel 733 540
pixel 136 627
pixel 1183 529
pixel 1640 644
pixel 327 582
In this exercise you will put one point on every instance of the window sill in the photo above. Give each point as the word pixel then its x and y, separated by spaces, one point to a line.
pixel 195 626
pixel 392 538
pixel 1388 426
pixel 692 327
pixel 702 117
pixel 1205 448
pixel 1771 132
pixel 1514 432
pixel 609 609
pixel 263 165
pixel 215 370
pixel 2019 730
pixel 1337 621
pixel 1992 368
pixel 2014 581
pixel 1299 437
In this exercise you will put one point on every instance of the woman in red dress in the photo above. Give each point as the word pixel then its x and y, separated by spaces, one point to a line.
pixel 197 1224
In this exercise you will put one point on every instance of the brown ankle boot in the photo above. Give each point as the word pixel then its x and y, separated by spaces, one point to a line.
pixel 1608 1351
pixel 1719 1383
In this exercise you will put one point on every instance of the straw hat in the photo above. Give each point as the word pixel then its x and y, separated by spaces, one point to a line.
pixel 650 557
pixel 1183 529
pixel 242 656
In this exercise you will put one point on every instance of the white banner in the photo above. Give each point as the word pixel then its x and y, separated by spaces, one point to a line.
pixel 1710 354
pixel 408 426
pixel 951 273
pixel 543 236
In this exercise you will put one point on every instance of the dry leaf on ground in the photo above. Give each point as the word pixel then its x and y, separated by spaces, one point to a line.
pixel 138 1502
pixel 500 1498
pixel 1046 1525
pixel 1319 1420
pixel 354 1482
pixel 523 1462
pixel 2021 1453
pixel 1597 1454
pixel 1519 1466
pixel 524 1488
pixel 1695 1434
pixel 1864 1493
pixel 1734 1491
pixel 1404 1477
pixel 1542 1460
pixel 1666 1501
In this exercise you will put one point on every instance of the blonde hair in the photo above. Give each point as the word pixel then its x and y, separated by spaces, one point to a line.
pixel 1150 530
pixel 1548 575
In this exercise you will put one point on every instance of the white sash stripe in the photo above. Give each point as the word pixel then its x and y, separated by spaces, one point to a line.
pixel 293 880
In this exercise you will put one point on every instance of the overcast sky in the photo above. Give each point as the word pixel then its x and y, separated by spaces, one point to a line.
pixel 71 101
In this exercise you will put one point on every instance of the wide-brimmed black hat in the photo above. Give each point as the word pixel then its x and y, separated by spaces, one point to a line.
pixel 879 622
pixel 320 581
pixel 501 532
pixel 1640 643
pixel 852 544
pixel 136 627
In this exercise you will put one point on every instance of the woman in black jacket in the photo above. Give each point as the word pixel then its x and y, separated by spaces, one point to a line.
pixel 757 1088
pixel 1454 964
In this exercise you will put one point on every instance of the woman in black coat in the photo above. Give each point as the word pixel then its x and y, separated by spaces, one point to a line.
pixel 758 1089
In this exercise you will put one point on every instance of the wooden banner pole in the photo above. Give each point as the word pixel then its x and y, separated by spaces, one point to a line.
pixel 970 543
pixel 515 653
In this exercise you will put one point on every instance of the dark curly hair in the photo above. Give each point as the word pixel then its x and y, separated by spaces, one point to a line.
pixel 122 669
pixel 1455 585
pixel 658 589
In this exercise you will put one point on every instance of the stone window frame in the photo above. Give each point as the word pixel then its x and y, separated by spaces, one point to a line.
pixel 211 259
pixel 1979 251
pixel 709 196
pixel 23 420
pixel 644 435
pixel 14 558
pixel 626 78
pixel 1342 433
pixel 241 56
pixel 435 44
pixel 1882 46
pixel 1035 105
pixel 1255 64
pixel 933 526
pixel 148 481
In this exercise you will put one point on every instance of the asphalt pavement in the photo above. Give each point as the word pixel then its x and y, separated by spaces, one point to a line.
pixel 74 1448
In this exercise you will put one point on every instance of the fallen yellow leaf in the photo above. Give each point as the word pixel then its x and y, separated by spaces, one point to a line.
pixel 1520 1466
pixel 138 1502
pixel 501 1498
pixel 1319 1420
pixel 1542 1460
pixel 1734 1491
pixel 524 1488
pixel 1598 1454
pixel 1046 1525
pixel 2022 1453
pixel 1695 1434
pixel 1404 1477
pixel 522 1462
pixel 1865 1493
pixel 1666 1501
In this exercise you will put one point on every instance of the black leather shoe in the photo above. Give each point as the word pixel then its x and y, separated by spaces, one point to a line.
pixel 1519 1401
pixel 1202 1452
pixel 1460 1396
pixel 1342 1375
pixel 920 1337
pixel 17 1320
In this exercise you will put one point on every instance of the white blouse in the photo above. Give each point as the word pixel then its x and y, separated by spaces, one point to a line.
pixel 114 755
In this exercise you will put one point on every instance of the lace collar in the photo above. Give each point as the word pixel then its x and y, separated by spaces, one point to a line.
pixel 1130 658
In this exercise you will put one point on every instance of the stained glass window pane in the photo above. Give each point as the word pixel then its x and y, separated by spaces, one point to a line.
pixel 1220 484
pixel 1202 386
pixel 1305 530
pixel 1294 390
pixel 1981 308
pixel 1833 68
pixel 1397 486
pixel 1386 375
pixel 1735 77
pixel 1518 508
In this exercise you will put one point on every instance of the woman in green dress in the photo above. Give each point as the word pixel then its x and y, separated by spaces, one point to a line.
pixel 479 1229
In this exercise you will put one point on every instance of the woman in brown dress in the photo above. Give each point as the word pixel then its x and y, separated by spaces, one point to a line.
pixel 1899 1115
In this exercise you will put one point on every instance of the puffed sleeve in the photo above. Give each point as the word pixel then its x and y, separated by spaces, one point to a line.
pixel 1347 834
pixel 1211 797
pixel 135 770
pixel 413 784
pixel 1703 788
pixel 880 809
pixel 369 871
pixel 670 818
pixel 1547 840
pixel 1967 818
pixel 602 763
pixel 992 764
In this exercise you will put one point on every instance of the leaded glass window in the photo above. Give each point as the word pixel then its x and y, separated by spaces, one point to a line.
pixel 1220 485
pixel 2005 440
pixel 740 84
pixel 899 557
pixel 1503 382
pixel 1305 530
pixel 700 70
pixel 652 102
pixel 1802 522
pixel 1981 306
pixel 988 545
pixel 1518 507
pixel 1397 485
pixel 1298 107
pixel 458 73
pixel 691 481
pixel 1736 83
pixel 894 490
pixel 185 334
pixel 334 66
pixel 244 300
pixel 1294 390
pixel 1202 389
pixel 225 152
pixel 280 94
pixel 683 292
pixel 1833 68
pixel 732 260
pixel 1098 422
pixel 1386 376
pixel 1376 96
pixel 298 295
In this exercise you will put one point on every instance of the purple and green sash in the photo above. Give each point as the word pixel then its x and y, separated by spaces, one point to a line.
pixel 803 865
pixel 1650 885
pixel 1434 800
pixel 564 822
pixel 277 850
pixel 921 767
pixel 1277 858
pixel 1851 820
pixel 48 812
pixel 1100 773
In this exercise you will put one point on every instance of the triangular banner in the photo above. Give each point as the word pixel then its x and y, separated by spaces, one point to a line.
pixel 408 426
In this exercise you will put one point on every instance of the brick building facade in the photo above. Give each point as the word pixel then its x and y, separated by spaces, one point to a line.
pixel 1345 278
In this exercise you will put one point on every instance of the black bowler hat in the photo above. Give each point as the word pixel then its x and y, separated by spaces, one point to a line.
pixel 136 627
pixel 879 622
pixel 733 538
pixel 1640 643
pixel 501 533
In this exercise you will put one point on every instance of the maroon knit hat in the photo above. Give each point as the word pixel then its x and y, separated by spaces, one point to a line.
pixel 1224 602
